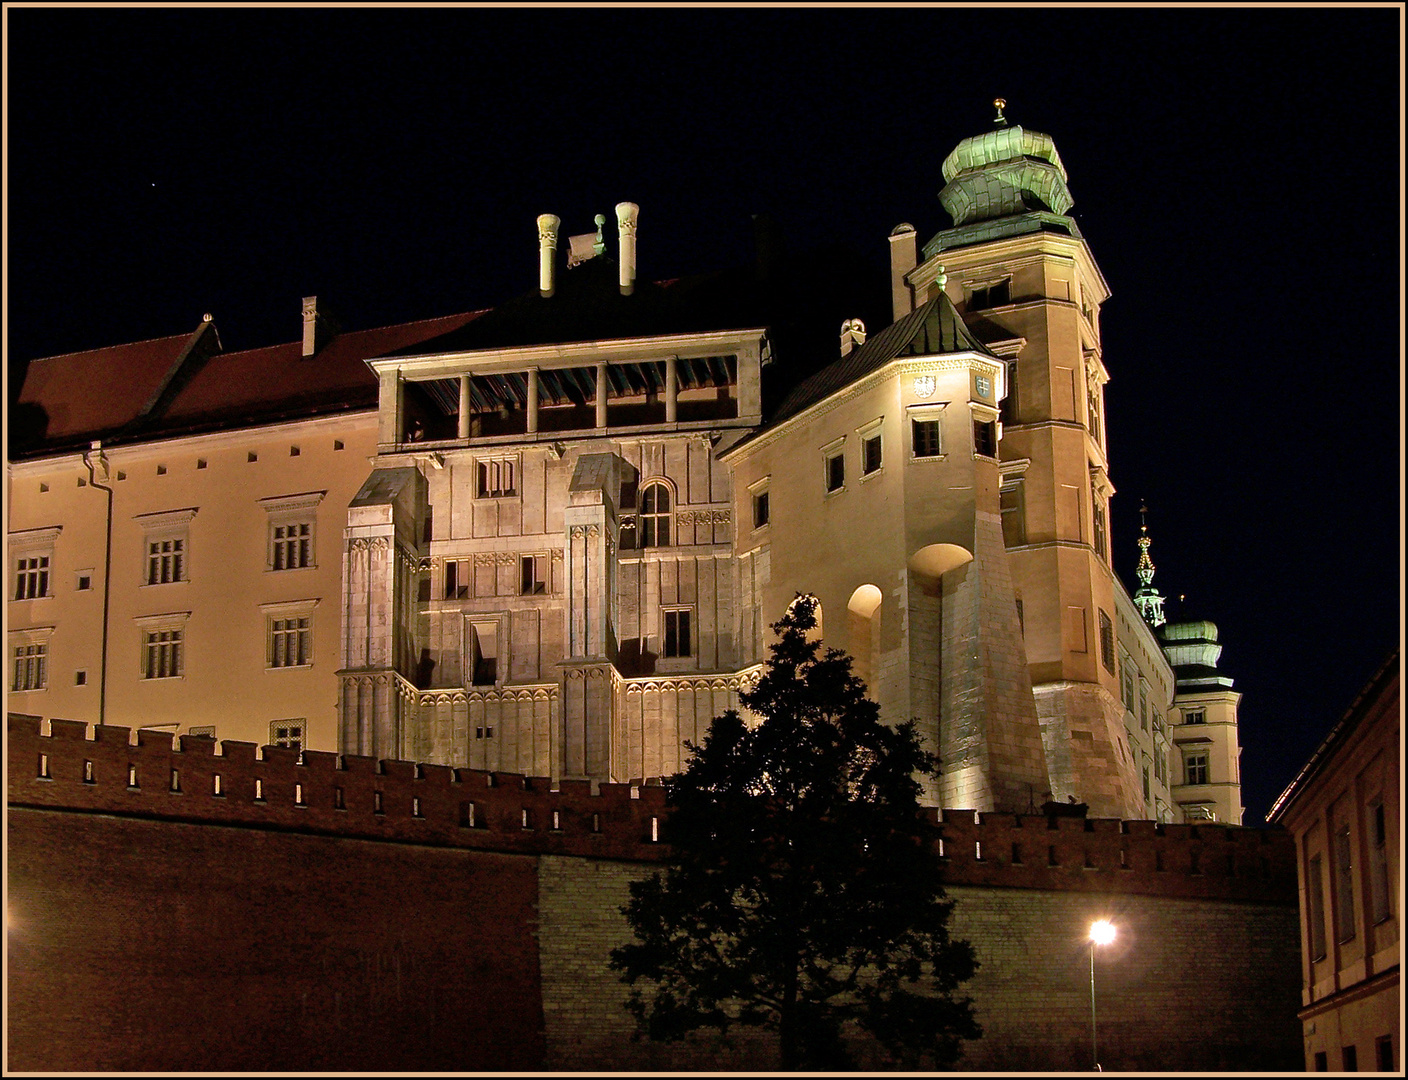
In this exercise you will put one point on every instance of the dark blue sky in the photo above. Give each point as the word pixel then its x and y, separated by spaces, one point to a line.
pixel 1236 172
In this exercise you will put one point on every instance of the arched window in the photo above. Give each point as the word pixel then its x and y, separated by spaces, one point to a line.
pixel 655 516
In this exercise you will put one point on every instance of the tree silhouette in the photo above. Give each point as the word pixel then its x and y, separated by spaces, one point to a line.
pixel 803 891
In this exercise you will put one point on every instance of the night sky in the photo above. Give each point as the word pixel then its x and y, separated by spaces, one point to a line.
pixel 1236 173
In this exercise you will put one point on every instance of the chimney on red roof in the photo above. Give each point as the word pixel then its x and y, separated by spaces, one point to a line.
pixel 626 215
pixel 318 327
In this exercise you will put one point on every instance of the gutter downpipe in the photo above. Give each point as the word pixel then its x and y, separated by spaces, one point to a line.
pixel 97 446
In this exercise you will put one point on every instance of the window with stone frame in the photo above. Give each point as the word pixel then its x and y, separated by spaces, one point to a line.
pixel 1379 892
pixel 653 520
pixel 31 666
pixel 984 437
pixel 533 575
pixel 676 637
pixel 459 578
pixel 990 295
pixel 292 530
pixel 496 478
pixel 33 553
pixel 1098 506
pixel 1195 716
pixel 1195 767
pixel 288 733
pixel 482 652
pixel 1315 894
pixel 1011 498
pixel 288 638
pixel 164 654
pixel 166 546
pixel 760 509
pixel 1343 851
pixel 871 454
pixel 1107 642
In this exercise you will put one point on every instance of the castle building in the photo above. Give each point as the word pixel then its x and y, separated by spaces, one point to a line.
pixel 549 538
pixel 1344 810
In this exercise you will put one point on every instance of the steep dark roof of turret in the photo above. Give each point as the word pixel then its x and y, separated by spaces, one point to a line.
pixel 932 329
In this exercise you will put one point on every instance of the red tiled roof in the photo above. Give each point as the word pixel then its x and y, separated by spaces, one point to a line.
pixel 102 391
pixel 89 392
pixel 279 378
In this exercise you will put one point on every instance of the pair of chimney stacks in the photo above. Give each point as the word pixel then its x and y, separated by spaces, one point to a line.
pixel 548 224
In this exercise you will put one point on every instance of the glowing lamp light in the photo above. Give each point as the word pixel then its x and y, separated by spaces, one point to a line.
pixel 1102 932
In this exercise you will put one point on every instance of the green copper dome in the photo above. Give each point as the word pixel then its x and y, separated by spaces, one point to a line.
pixel 1001 172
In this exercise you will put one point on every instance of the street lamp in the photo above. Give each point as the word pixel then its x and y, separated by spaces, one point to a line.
pixel 1101 933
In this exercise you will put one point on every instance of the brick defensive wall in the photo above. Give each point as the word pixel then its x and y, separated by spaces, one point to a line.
pixel 349 796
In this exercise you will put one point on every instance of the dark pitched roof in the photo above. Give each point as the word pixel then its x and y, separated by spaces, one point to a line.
pixel 587 305
pixel 168 386
pixel 932 329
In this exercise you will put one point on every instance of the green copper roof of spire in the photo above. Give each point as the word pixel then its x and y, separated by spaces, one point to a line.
pixel 1006 170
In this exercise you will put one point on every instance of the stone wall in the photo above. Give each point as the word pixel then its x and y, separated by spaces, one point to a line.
pixel 340 914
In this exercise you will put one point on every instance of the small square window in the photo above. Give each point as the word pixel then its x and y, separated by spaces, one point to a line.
pixel 287 733
pixel 1197 716
pixel 80 678
pixel 293 451
pixel 760 509
pixel 200 463
pixel 161 470
pixel 926 438
pixel 835 472
pixel 496 478
pixel 870 453
pixel 337 444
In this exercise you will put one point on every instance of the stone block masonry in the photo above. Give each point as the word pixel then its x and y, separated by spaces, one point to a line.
pixel 319 913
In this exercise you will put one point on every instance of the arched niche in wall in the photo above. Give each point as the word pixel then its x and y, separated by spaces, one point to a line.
pixel 863 632
pixel 932 562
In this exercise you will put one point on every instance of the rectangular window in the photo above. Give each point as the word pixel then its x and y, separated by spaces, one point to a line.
pixel 533 576
pixel 1126 684
pixel 496 478
pixel 926 438
pixel 1384 1046
pixel 1107 643
pixel 1146 782
pixel 1378 862
pixel 164 658
pixel 1322 1061
pixel 291 641
pixel 990 296
pixel 287 733
pixel 32 577
pixel 677 642
pixel 1349 1059
pixel 1315 889
pixel 30 667
pixel 291 545
pixel 484 653
pixel 1143 708
pixel 166 561
pixel 760 509
pixel 1195 767
pixel 835 472
pixel 1099 504
pixel 457 579
pixel 1196 716
pixel 1344 884
pixel 870 454
pixel 1008 407
pixel 1011 501
pixel 985 437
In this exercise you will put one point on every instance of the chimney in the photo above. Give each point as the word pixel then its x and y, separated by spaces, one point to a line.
pixel 904 257
pixel 852 334
pixel 547 249
pixel 318 327
pixel 626 214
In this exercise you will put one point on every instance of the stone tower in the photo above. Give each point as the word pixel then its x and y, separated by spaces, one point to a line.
pixel 1028 287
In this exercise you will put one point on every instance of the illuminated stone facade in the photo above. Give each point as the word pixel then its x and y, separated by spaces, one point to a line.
pixel 561 528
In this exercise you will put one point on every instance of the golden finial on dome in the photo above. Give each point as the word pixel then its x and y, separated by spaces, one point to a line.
pixel 999 104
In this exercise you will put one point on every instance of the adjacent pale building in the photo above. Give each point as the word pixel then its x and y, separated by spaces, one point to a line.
pixel 550 538
pixel 1345 811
